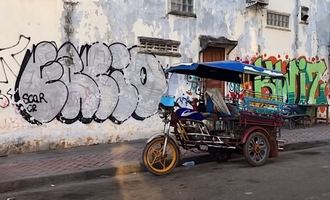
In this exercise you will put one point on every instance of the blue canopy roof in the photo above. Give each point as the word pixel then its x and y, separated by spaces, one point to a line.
pixel 223 70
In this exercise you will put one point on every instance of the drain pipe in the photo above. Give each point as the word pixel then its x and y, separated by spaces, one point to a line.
pixel 296 29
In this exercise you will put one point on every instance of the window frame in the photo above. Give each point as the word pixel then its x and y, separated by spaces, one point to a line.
pixel 278 20
pixel 187 7
pixel 304 9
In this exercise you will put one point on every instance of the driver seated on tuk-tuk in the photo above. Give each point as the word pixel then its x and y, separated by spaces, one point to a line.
pixel 195 104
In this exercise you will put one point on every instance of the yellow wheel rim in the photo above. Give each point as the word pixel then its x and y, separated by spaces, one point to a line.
pixel 156 161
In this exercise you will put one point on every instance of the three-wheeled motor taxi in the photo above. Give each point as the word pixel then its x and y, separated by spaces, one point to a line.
pixel 249 125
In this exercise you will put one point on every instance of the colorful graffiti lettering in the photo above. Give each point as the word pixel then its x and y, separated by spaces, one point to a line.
pixel 194 82
pixel 305 79
pixel 304 82
pixel 96 82
pixel 235 91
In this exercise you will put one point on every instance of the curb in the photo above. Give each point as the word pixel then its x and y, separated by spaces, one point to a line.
pixel 306 145
pixel 106 172
pixel 34 182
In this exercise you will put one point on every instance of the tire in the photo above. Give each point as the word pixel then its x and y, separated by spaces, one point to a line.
pixel 153 159
pixel 256 149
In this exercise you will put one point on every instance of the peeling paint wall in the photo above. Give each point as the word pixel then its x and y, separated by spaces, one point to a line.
pixel 71 73
pixel 300 52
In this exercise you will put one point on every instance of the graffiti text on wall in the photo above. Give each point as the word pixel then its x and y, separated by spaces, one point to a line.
pixel 304 79
pixel 8 67
pixel 96 82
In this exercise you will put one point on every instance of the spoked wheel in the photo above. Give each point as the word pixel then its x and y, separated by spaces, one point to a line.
pixel 256 149
pixel 155 161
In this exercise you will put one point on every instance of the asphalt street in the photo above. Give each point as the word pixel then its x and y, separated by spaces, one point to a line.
pixel 295 175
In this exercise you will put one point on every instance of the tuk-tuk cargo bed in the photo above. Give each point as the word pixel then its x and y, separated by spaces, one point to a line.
pixel 250 118
pixel 263 106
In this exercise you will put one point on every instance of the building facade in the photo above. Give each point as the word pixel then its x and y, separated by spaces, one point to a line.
pixel 82 72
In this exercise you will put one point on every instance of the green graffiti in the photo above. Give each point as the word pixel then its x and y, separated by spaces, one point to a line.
pixel 302 88
pixel 314 74
pixel 303 81
pixel 275 86
pixel 292 81
pixel 261 82
pixel 302 78
pixel 269 64
pixel 258 83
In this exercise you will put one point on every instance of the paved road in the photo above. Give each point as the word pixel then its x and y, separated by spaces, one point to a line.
pixel 296 175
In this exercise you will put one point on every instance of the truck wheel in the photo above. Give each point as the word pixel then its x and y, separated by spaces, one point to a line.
pixel 256 149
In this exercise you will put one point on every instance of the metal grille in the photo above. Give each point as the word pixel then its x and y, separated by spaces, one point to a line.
pixel 276 19
pixel 157 45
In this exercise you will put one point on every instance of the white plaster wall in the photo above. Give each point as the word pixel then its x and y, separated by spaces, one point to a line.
pixel 89 25
pixel 282 40
pixel 110 21
pixel 310 42
pixel 20 18
pixel 29 17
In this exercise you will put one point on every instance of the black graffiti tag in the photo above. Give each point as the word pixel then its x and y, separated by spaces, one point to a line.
pixel 32 100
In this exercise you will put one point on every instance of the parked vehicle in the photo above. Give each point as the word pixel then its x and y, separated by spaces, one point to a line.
pixel 249 126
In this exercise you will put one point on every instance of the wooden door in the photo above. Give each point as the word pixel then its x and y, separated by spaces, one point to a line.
pixel 214 54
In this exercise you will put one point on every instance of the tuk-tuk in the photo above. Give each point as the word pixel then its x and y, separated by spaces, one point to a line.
pixel 249 125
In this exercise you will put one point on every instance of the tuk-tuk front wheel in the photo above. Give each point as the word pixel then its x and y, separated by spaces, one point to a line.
pixel 256 149
pixel 157 162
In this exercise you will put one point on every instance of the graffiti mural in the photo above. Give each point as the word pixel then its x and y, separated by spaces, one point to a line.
pixel 194 82
pixel 305 82
pixel 8 67
pixel 305 78
pixel 235 91
pixel 95 82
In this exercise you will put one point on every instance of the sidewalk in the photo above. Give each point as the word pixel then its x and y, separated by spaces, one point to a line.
pixel 57 166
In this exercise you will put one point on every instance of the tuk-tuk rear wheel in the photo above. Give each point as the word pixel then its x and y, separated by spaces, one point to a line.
pixel 256 149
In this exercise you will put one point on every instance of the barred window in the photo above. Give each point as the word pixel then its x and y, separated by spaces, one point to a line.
pixel 159 46
pixel 276 19
pixel 181 7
